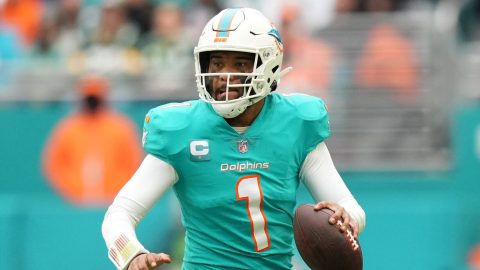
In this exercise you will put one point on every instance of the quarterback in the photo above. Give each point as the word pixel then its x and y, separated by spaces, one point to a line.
pixel 234 158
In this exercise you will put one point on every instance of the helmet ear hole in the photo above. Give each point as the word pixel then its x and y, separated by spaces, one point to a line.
pixel 273 87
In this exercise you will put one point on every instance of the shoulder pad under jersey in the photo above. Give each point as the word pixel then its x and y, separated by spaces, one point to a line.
pixel 306 107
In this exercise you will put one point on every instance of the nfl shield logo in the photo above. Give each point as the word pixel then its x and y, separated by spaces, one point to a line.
pixel 242 146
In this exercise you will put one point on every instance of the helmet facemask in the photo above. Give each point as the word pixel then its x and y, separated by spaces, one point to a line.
pixel 248 82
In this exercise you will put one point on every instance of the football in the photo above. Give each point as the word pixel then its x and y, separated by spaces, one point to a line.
pixel 322 245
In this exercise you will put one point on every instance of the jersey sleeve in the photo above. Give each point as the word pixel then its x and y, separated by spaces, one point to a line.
pixel 164 130
pixel 316 125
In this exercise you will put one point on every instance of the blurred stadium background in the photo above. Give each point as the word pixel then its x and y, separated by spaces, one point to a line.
pixel 400 79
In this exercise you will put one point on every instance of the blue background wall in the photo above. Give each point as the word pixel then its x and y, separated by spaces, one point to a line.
pixel 415 220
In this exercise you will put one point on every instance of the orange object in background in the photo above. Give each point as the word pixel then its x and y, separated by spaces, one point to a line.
pixel 92 154
pixel 93 85
pixel 388 62
pixel 24 16
pixel 474 258
pixel 312 62
pixel 311 58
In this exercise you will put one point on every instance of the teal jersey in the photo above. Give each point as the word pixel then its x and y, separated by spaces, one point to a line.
pixel 237 192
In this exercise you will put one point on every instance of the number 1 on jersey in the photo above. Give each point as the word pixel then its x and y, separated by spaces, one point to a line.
pixel 249 189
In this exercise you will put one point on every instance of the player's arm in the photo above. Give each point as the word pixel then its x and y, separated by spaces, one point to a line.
pixel 328 188
pixel 135 199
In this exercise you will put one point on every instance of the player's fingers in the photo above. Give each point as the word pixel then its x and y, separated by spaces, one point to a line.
pixel 354 228
pixel 345 221
pixel 142 264
pixel 320 205
pixel 163 258
pixel 138 262
pixel 329 205
pixel 153 259
pixel 337 215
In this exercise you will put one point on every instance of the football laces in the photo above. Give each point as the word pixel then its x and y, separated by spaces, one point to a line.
pixel 350 237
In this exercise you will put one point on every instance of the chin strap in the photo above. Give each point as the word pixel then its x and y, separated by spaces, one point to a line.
pixel 284 72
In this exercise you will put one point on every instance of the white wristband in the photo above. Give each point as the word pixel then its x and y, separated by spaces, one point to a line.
pixel 123 250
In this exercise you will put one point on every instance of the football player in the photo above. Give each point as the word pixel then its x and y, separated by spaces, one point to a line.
pixel 234 158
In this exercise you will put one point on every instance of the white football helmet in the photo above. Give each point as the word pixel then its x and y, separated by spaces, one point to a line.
pixel 240 30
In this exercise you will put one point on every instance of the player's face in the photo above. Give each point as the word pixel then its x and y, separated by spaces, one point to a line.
pixel 233 62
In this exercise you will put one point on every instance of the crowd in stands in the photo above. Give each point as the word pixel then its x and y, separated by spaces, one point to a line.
pixel 148 44
pixel 116 38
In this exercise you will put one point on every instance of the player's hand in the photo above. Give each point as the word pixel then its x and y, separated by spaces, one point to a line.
pixel 147 261
pixel 340 214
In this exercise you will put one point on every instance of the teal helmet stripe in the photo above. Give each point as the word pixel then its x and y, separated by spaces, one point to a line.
pixel 274 33
pixel 225 21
